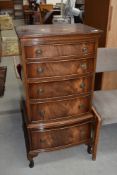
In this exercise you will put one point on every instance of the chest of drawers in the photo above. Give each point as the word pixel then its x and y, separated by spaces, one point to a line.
pixel 58 69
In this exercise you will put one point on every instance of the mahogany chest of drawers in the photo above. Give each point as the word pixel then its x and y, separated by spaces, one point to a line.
pixel 58 69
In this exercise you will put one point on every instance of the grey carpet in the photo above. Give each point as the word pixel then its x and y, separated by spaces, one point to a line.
pixel 10 100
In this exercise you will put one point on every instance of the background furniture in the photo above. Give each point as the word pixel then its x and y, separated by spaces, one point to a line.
pixel 58 74
pixel 105 101
pixel 48 18
pixel 40 16
pixel 25 5
pixel 18 9
pixel 37 17
pixel 6 22
pixel 102 14
pixel 80 4
pixel 45 8
pixel 9 40
pixel 32 17
pixel 107 64
pixel 7 6
pixel 2 80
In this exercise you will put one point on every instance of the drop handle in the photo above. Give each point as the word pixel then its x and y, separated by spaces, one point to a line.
pixel 83 66
pixel 85 50
pixel 42 141
pixel 82 85
pixel 83 132
pixel 82 106
pixel 40 91
pixel 41 114
pixel 40 70
pixel 38 52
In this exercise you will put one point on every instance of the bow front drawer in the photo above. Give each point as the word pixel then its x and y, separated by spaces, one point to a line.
pixel 57 50
pixel 61 137
pixel 60 88
pixel 51 110
pixel 60 69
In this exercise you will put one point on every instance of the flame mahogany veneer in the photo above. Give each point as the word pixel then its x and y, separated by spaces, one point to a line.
pixel 58 69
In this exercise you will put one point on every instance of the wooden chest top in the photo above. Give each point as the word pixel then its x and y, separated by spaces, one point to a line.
pixel 34 31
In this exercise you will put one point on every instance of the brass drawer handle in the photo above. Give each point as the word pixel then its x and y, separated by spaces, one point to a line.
pixel 40 70
pixel 40 91
pixel 82 85
pixel 41 113
pixel 83 133
pixel 38 52
pixel 42 141
pixel 82 106
pixel 83 66
pixel 85 50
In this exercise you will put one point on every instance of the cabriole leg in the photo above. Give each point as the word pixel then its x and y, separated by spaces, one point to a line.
pixel 31 164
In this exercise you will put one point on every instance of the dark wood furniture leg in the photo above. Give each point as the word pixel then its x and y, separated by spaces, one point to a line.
pixel 30 154
pixel 30 157
pixel 3 71
pixel 96 133
pixel 89 149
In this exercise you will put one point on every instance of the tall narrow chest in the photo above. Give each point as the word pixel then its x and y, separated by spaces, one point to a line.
pixel 58 70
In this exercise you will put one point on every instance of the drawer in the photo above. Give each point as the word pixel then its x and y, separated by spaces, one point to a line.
pixel 58 50
pixel 52 110
pixel 60 69
pixel 60 88
pixel 60 137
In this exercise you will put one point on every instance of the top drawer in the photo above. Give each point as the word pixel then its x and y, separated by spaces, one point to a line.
pixel 57 50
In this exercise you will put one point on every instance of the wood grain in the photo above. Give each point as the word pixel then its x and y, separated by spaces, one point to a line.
pixel 60 88
pixel 59 137
pixel 96 15
pixel 58 77
pixel 109 80
pixel 4 4
pixel 62 68
pixel 51 110
pixel 56 50
pixel 112 25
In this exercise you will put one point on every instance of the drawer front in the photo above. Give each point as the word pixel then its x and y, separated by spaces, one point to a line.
pixel 49 51
pixel 60 137
pixel 60 108
pixel 60 88
pixel 63 68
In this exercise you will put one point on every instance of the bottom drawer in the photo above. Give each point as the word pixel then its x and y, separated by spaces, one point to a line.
pixel 60 137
